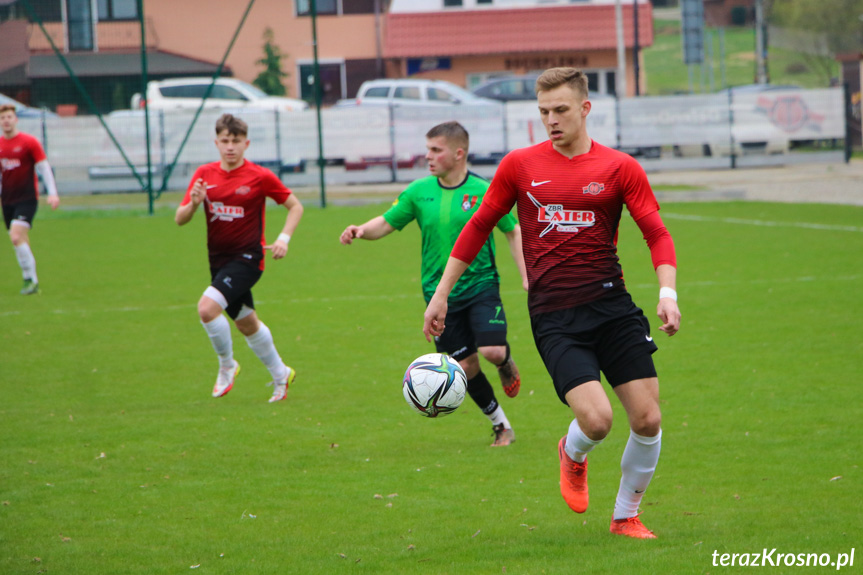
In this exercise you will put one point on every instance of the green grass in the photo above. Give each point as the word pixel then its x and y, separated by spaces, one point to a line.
pixel 667 74
pixel 760 396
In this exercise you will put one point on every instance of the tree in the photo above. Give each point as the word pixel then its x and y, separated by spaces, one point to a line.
pixel 270 79
pixel 828 27
pixel 840 22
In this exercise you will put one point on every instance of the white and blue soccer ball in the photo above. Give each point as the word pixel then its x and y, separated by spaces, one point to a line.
pixel 434 385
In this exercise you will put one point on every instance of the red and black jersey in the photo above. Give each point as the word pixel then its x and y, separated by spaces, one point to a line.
pixel 569 211
pixel 235 208
pixel 18 159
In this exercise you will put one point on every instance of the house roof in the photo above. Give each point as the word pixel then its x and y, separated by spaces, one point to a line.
pixel 516 30
pixel 88 64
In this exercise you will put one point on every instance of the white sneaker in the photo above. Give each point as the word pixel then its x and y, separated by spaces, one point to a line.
pixel 280 390
pixel 225 380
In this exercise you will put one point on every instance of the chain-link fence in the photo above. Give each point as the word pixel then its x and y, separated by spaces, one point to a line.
pixel 381 144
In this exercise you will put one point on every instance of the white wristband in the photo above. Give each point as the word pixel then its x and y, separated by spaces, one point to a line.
pixel 284 238
pixel 667 292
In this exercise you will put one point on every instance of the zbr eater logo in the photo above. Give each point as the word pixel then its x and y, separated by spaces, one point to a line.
pixel 570 221
pixel 225 213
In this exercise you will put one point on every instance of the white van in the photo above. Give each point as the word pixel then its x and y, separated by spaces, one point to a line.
pixel 187 93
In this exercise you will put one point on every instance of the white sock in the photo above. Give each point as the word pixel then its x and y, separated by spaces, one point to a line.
pixel 219 331
pixel 498 416
pixel 26 261
pixel 261 343
pixel 578 445
pixel 637 466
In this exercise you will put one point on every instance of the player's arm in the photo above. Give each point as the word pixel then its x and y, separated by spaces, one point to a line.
pixel 514 239
pixel 295 213
pixel 665 263
pixel 196 194
pixel 374 229
pixel 43 168
pixel 470 241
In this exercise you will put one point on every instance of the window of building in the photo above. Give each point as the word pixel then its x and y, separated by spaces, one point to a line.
pixel 359 7
pixel 323 7
pixel 332 75
pixel 117 9
pixel 79 20
pixel 44 11
pixel 447 3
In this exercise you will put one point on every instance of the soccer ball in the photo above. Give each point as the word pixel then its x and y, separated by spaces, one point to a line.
pixel 434 385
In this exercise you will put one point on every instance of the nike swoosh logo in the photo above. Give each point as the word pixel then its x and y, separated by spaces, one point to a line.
pixel 648 338
pixel 534 183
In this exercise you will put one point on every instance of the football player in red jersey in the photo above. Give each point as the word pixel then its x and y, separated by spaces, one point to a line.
pixel 234 192
pixel 21 158
pixel 570 192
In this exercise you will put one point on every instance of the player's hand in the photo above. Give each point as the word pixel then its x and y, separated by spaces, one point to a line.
pixel 669 313
pixel 434 318
pixel 278 248
pixel 53 201
pixel 350 234
pixel 199 192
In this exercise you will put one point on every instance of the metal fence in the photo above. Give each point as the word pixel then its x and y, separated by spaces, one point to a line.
pixel 384 144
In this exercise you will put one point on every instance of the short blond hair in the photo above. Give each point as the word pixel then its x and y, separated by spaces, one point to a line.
pixel 555 77
pixel 8 108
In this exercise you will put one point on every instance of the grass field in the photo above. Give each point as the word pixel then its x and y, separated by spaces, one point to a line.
pixel 667 74
pixel 114 459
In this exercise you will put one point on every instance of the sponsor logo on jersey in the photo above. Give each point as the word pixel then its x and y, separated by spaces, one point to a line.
pixel 534 183
pixel 225 213
pixel 243 190
pixel 560 219
pixel 9 163
pixel 593 188
pixel 468 202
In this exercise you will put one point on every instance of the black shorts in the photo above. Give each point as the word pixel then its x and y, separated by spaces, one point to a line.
pixel 480 323
pixel 234 280
pixel 21 212
pixel 610 335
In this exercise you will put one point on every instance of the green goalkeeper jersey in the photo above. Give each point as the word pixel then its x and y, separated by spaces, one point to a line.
pixel 441 213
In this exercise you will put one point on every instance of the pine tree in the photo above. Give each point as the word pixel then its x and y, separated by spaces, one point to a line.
pixel 270 79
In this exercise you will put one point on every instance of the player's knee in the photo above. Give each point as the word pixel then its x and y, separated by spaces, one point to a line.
pixel 470 365
pixel 595 425
pixel 208 310
pixel 648 423
pixel 495 354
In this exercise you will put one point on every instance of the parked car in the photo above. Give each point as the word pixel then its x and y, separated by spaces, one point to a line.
pixel 414 92
pixel 187 93
pixel 25 111
pixel 508 88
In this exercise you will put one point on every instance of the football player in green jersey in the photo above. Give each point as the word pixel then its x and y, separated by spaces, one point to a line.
pixel 442 203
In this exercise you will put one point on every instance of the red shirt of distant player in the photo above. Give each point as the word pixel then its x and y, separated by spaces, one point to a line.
pixel 18 158
pixel 235 206
pixel 569 211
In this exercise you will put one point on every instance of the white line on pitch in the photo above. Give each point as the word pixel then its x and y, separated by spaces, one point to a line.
pixel 380 297
pixel 763 223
